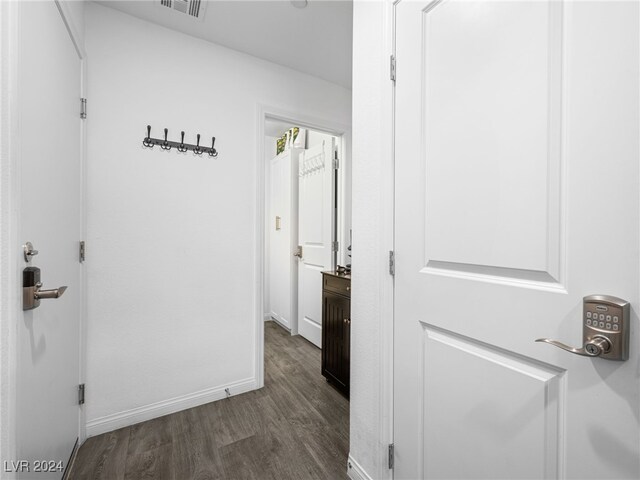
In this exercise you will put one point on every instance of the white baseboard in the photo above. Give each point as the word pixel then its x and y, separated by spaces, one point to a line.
pixel 281 323
pixel 355 471
pixel 118 420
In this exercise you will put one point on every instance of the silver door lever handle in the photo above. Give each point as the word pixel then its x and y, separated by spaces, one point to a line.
pixel 593 348
pixel 52 293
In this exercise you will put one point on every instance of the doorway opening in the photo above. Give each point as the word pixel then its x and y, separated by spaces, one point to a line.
pixel 307 231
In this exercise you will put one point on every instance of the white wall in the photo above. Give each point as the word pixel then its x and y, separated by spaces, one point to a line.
pixel 172 238
pixel 372 286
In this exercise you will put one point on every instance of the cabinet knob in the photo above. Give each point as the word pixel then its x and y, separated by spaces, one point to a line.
pixel 348 289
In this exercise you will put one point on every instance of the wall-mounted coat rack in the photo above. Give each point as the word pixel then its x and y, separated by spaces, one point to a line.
pixel 180 146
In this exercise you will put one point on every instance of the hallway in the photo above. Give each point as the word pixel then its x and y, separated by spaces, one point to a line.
pixel 296 427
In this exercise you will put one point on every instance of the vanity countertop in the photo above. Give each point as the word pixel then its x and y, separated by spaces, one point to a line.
pixel 336 274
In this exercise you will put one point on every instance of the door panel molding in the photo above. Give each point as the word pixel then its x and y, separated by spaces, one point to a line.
pixel 531 413
pixel 504 221
pixel 497 275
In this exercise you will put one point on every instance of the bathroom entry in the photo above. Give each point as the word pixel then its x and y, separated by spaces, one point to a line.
pixel 302 225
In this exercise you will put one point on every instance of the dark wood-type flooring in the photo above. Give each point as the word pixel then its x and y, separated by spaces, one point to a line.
pixel 296 427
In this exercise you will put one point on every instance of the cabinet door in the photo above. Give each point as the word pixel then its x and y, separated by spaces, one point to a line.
pixel 335 343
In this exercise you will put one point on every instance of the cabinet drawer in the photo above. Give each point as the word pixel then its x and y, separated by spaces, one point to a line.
pixel 337 285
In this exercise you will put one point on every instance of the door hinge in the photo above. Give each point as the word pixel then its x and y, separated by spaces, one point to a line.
pixel 83 108
pixel 336 163
pixel 81 252
pixel 392 262
pixel 334 246
pixel 390 458
pixel 81 394
pixel 392 68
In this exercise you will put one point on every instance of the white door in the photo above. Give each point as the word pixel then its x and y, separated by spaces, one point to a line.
pixel 276 240
pixel 517 167
pixel 283 239
pixel 50 180
pixel 316 232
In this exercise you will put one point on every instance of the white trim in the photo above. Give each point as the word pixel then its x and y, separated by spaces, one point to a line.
pixel 387 239
pixel 342 232
pixel 78 42
pixel 126 418
pixel 306 121
pixel 355 470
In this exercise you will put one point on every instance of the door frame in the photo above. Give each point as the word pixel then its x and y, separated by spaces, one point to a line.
pixel 374 29
pixel 10 209
pixel 318 123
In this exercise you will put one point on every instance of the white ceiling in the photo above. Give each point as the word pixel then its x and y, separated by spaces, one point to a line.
pixel 314 40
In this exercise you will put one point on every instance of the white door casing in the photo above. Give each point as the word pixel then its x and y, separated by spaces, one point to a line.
pixel 517 195
pixel 316 233
pixel 48 355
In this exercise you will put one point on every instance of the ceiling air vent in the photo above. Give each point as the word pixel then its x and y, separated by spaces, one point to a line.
pixel 193 8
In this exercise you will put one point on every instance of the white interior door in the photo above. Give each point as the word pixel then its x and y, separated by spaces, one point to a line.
pixel 316 233
pixel 277 253
pixel 50 217
pixel 283 239
pixel 516 195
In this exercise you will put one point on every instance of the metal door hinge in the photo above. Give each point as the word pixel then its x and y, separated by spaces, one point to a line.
pixel 392 68
pixel 81 252
pixel 390 458
pixel 392 262
pixel 336 163
pixel 83 108
pixel 81 394
pixel 334 246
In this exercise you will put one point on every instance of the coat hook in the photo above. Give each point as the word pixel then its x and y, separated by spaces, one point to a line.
pixel 147 141
pixel 197 150
pixel 165 145
pixel 181 147
pixel 213 152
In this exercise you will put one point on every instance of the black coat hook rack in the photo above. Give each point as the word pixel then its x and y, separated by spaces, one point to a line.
pixel 180 146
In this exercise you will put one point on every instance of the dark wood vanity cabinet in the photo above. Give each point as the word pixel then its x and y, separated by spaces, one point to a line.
pixel 336 329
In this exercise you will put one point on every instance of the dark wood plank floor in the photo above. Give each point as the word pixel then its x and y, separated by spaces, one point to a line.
pixel 296 427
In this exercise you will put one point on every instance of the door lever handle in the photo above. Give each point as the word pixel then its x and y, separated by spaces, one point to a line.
pixel 595 347
pixel 52 293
